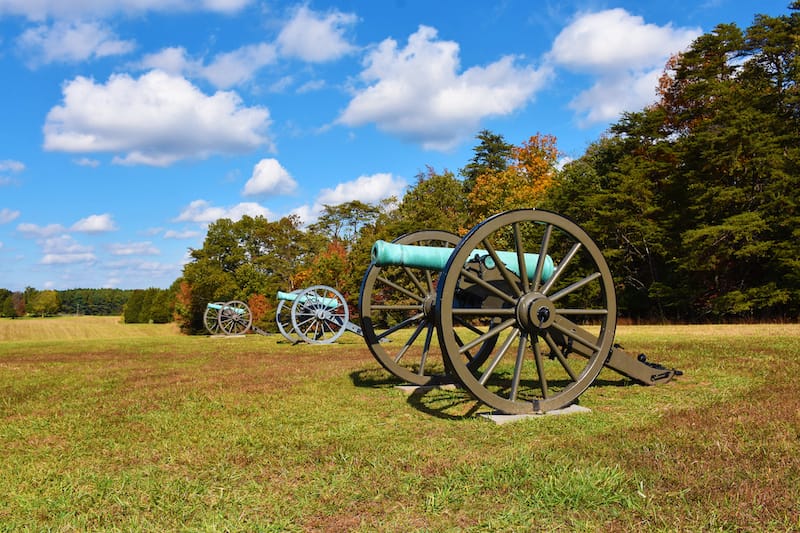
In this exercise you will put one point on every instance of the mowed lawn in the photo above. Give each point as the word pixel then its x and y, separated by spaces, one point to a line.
pixel 107 426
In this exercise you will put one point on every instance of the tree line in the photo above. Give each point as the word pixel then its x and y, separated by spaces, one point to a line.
pixel 136 306
pixel 693 200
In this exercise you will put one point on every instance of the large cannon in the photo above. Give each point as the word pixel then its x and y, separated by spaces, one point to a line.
pixel 523 308
pixel 316 315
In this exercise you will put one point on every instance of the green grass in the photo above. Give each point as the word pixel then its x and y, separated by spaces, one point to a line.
pixel 150 430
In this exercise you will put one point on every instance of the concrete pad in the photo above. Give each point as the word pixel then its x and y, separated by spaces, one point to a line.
pixel 418 389
pixel 503 418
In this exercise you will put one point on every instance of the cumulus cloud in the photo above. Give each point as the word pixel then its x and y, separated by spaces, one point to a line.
pixel 187 234
pixel 624 53
pixel 63 250
pixel 35 231
pixel 225 70
pixel 95 224
pixel 368 189
pixel 419 93
pixel 71 9
pixel 9 165
pixel 155 120
pixel 269 177
pixel 7 215
pixel 316 37
pixel 134 248
pixel 201 211
pixel 70 42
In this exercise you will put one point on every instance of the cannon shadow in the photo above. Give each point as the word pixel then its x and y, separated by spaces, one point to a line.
pixel 449 400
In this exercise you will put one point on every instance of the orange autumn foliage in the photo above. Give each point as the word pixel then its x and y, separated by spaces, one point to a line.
pixel 522 184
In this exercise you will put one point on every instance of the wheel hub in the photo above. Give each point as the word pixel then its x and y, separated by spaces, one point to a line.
pixel 429 305
pixel 535 311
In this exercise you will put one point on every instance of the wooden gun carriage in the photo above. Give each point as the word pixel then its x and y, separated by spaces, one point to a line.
pixel 521 312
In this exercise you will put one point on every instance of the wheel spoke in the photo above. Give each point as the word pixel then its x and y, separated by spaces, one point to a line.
pixel 401 289
pixel 537 276
pixel 512 336
pixel 562 267
pixel 523 266
pixel 594 312
pixel 556 351
pixel 510 278
pixel 521 347
pixel 486 336
pixel 425 349
pixel 537 356
pixel 489 287
pixel 409 342
pixel 414 280
pixel 574 287
pixel 405 323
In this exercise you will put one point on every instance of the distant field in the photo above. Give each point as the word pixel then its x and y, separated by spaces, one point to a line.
pixel 107 426
pixel 77 327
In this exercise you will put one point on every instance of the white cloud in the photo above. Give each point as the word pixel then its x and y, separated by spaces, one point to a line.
pixel 134 248
pixel 316 37
pixel 269 177
pixel 7 215
pixel 188 234
pixel 418 93
pixel 237 67
pixel 9 165
pixel 65 250
pixel 35 231
pixel 624 54
pixel 95 224
pixel 203 212
pixel 70 42
pixel 224 71
pixel 43 9
pixel 616 40
pixel 156 120
pixel 368 189
pixel 87 162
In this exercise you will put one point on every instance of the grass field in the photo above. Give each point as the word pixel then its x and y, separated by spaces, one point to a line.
pixel 107 426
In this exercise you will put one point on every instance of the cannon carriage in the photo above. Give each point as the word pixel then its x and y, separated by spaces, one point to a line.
pixel 521 312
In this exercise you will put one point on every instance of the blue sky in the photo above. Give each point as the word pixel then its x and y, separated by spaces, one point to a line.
pixel 129 125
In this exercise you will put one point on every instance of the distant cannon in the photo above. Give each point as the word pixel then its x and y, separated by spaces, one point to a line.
pixel 523 308
pixel 318 315
pixel 227 318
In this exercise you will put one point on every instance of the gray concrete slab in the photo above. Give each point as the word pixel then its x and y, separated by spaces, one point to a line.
pixel 417 389
pixel 503 418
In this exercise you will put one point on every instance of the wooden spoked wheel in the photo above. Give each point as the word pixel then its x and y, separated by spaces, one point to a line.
pixel 398 319
pixel 235 318
pixel 554 321
pixel 283 316
pixel 319 315
pixel 211 318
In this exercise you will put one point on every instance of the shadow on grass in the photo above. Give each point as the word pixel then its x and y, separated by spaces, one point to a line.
pixel 448 399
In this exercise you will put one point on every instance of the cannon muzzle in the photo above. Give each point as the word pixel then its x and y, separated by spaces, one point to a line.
pixel 435 258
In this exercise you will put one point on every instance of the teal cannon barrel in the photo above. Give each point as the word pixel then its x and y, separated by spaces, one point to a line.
pixel 291 296
pixel 435 258
pixel 224 307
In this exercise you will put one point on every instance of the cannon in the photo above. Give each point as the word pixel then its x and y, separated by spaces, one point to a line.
pixel 523 309
pixel 227 318
pixel 316 315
